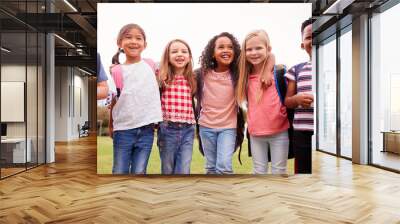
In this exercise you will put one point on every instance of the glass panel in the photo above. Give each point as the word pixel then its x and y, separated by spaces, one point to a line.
pixel 41 99
pixel 346 94
pixel 327 96
pixel 13 86
pixel 385 84
pixel 31 97
pixel 23 84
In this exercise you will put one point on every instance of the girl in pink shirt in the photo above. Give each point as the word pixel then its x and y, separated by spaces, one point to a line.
pixel 266 118
pixel 217 111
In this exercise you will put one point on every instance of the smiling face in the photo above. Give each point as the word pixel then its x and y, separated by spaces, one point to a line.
pixel 133 43
pixel 223 52
pixel 256 51
pixel 179 55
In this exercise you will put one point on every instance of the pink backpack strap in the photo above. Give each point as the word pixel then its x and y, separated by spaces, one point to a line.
pixel 116 73
pixel 152 64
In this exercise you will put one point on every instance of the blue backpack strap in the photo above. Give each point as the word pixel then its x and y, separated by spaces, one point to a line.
pixel 280 83
pixel 278 89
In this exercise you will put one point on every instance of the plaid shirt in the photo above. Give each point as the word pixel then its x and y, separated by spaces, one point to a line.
pixel 176 101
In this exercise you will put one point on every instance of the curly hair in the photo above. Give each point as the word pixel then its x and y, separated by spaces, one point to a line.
pixel 207 60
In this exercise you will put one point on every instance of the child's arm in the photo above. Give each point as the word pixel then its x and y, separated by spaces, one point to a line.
pixel 110 120
pixel 102 90
pixel 293 100
pixel 266 79
pixel 110 123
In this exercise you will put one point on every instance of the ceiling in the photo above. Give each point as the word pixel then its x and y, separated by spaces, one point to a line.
pixel 75 21
pixel 76 25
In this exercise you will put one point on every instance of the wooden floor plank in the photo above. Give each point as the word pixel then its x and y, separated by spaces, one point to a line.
pixel 70 191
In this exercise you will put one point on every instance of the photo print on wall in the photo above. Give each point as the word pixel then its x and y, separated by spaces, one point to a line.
pixel 193 86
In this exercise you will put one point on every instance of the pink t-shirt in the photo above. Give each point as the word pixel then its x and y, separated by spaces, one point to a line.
pixel 219 108
pixel 268 116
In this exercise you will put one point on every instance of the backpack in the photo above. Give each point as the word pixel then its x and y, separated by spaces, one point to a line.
pixel 281 87
pixel 116 74
pixel 240 116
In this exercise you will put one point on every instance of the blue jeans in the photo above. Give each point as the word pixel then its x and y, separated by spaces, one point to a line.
pixel 132 150
pixel 218 146
pixel 175 142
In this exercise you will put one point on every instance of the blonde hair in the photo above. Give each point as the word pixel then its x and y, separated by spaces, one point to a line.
pixel 245 68
pixel 166 75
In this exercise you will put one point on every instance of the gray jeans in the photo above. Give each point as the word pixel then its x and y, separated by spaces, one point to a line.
pixel 279 146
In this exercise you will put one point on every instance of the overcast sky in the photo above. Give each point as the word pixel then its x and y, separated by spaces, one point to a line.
pixel 197 23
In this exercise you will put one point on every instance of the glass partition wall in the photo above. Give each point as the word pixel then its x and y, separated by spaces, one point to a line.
pixel 335 100
pixel 22 77
pixel 385 89
pixel 345 62
pixel 334 112
pixel 327 95
pixel 13 89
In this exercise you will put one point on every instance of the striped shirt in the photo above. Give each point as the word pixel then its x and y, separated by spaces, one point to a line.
pixel 302 75
pixel 176 101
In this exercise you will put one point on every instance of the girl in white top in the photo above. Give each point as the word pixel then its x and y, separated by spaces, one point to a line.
pixel 138 106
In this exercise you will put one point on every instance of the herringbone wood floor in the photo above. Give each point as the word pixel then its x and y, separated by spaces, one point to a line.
pixel 70 191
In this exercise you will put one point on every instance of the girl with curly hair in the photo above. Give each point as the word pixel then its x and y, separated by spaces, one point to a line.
pixel 221 123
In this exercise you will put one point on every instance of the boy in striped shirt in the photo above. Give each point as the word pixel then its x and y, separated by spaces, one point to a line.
pixel 300 97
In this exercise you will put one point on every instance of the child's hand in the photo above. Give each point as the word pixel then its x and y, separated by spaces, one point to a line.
pixel 267 77
pixel 112 102
pixel 304 100
pixel 266 81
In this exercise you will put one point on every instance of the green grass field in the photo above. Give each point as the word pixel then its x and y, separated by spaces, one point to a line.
pixel 104 159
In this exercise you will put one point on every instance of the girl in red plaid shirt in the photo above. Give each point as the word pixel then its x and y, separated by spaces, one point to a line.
pixel 178 85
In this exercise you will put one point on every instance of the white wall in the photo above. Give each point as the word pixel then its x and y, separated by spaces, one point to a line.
pixel 61 103
pixel 81 89
pixel 15 73
pixel 69 85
